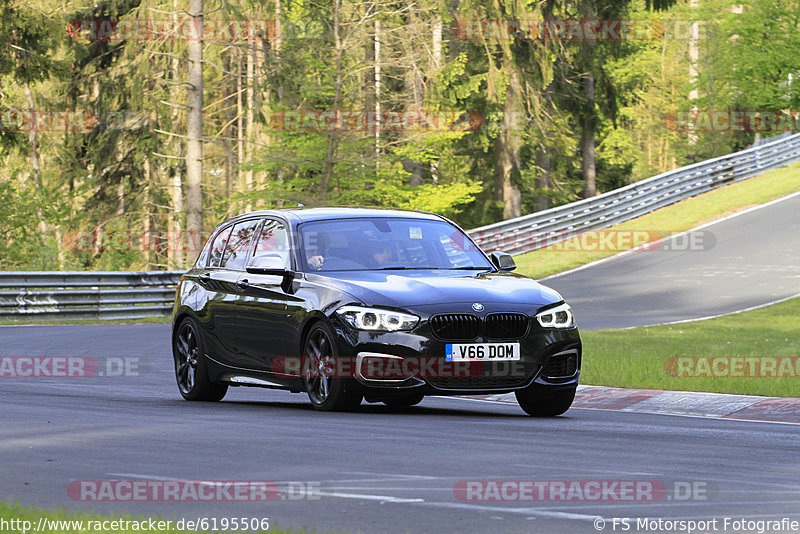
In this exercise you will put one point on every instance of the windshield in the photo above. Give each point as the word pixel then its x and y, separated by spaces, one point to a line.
pixel 387 244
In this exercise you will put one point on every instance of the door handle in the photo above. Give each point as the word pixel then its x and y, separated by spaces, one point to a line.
pixel 244 284
pixel 205 278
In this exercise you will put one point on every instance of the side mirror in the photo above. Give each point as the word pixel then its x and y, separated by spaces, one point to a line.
pixel 503 261
pixel 267 264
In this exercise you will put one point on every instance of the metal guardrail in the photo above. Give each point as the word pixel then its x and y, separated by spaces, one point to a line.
pixel 537 230
pixel 87 295
pixel 131 295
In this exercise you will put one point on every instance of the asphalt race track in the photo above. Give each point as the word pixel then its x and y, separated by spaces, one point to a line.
pixel 747 260
pixel 395 470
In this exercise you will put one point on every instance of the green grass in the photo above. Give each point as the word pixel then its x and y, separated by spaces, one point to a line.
pixel 34 514
pixel 638 357
pixel 677 218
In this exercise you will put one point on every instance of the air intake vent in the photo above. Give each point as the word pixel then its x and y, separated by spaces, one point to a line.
pixel 455 326
pixel 506 325
pixel 561 365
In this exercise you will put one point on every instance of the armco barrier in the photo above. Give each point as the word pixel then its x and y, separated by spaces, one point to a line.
pixel 543 228
pixel 130 295
pixel 87 295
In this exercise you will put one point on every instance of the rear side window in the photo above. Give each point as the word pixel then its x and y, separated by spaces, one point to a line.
pixel 238 244
pixel 218 247
pixel 202 260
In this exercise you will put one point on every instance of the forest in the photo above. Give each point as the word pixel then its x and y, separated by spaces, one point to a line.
pixel 130 128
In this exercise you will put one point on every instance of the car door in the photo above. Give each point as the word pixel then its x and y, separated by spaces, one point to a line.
pixel 221 279
pixel 217 315
pixel 267 312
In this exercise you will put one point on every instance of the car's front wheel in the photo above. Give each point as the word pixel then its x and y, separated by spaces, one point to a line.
pixel 541 402
pixel 328 389
pixel 191 372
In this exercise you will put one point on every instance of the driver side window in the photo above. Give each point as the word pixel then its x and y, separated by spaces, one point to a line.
pixel 274 239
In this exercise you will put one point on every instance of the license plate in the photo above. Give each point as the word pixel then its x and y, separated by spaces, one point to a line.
pixel 481 352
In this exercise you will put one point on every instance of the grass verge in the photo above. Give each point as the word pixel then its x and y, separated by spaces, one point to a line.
pixel 677 218
pixel 683 356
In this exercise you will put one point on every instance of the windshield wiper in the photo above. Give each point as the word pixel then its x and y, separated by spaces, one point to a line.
pixel 415 268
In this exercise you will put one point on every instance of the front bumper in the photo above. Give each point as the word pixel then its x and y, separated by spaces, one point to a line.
pixel 415 360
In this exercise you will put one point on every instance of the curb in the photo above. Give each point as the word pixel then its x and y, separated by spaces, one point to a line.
pixel 691 403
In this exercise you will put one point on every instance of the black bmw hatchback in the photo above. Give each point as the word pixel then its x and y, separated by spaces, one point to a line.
pixel 384 305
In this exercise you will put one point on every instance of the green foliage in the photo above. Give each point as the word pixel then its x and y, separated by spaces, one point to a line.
pixel 119 171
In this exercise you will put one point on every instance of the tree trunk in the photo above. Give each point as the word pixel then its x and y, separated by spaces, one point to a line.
pixel 370 78
pixel 36 166
pixel 507 149
pixel 588 160
pixel 588 115
pixel 437 42
pixel 694 54
pixel 327 169
pixel 121 183
pixel 175 177
pixel 545 164
pixel 194 126
pixel 251 104
pixel 240 121
pixel 414 96
pixel 176 239
pixel 377 74
pixel 230 87
pixel 277 49
pixel 438 28
pixel 146 223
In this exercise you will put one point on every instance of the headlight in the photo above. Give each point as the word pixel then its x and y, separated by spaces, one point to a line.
pixel 377 320
pixel 558 317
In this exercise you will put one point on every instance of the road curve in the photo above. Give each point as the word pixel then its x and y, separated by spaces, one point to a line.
pixel 749 259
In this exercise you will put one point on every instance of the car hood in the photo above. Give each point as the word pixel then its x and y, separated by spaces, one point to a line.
pixel 404 289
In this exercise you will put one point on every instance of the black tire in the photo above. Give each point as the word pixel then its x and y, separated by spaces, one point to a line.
pixel 540 402
pixel 403 401
pixel 191 370
pixel 326 391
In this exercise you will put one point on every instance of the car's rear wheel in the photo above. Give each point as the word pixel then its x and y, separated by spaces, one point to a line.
pixel 327 391
pixel 191 371
pixel 540 402
pixel 400 401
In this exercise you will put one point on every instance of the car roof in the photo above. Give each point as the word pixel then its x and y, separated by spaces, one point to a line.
pixel 301 214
